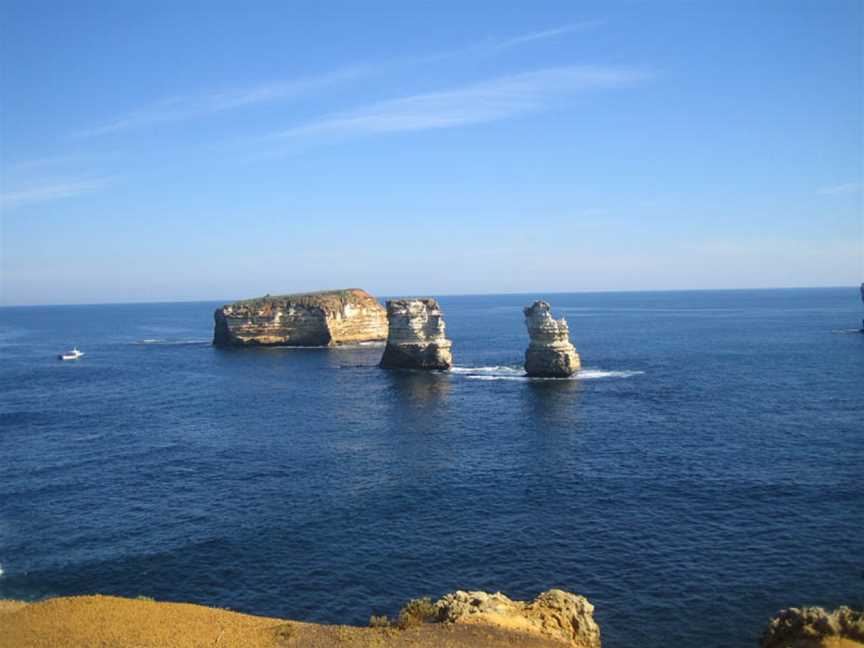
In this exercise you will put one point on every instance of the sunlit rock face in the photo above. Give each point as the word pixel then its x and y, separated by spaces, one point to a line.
pixel 309 319
pixel 565 617
pixel 550 353
pixel 416 336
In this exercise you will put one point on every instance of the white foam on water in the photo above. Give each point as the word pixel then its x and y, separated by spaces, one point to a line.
pixel 1 570
pixel 503 372
pixel 593 374
pixel 496 370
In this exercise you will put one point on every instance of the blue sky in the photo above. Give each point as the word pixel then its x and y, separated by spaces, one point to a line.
pixel 182 151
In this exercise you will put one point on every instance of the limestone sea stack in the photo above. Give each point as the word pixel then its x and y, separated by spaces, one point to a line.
pixel 550 353
pixel 324 318
pixel 416 336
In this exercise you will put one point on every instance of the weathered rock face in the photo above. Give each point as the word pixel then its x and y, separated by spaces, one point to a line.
pixel 308 319
pixel 556 614
pixel 416 336
pixel 813 626
pixel 550 353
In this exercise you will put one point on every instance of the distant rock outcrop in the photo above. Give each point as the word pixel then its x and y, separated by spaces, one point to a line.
pixel 812 627
pixel 862 299
pixel 309 319
pixel 416 336
pixel 556 614
pixel 550 353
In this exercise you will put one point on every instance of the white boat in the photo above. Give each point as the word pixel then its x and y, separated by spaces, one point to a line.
pixel 74 354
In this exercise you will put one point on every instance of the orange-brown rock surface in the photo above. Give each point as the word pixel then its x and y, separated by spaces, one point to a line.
pixel 308 319
pixel 556 614
pixel 815 627
pixel 554 620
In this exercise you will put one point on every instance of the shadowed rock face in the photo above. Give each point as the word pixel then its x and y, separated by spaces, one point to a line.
pixel 556 614
pixel 308 319
pixel 550 353
pixel 416 336
pixel 811 627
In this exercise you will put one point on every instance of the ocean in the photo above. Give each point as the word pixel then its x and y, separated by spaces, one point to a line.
pixel 704 470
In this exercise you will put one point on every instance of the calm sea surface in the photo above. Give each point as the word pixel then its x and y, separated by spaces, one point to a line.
pixel 704 471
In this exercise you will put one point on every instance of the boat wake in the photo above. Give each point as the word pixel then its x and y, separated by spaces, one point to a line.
pixel 505 372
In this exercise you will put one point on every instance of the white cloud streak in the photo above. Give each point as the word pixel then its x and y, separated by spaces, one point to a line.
pixel 49 192
pixel 181 108
pixel 493 47
pixel 501 98
pixel 840 189
pixel 546 34
pixel 187 107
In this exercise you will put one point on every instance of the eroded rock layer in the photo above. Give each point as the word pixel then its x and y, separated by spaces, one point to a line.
pixel 416 336
pixel 550 353
pixel 308 319
pixel 814 626
pixel 556 614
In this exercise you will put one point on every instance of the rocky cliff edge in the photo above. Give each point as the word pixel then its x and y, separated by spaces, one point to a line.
pixel 554 619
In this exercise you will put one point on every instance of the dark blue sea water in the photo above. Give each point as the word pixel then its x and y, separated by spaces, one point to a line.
pixel 706 469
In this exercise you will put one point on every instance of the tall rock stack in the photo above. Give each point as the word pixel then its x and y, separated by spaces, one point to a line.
pixel 550 354
pixel 416 336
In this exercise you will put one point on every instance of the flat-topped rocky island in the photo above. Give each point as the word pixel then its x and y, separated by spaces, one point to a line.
pixel 325 318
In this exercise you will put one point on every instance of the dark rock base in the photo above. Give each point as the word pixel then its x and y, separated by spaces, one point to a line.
pixel 544 363
pixel 417 356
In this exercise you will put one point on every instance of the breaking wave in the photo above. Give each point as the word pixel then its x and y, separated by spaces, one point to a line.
pixel 504 372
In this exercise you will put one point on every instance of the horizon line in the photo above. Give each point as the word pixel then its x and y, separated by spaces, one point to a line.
pixel 443 294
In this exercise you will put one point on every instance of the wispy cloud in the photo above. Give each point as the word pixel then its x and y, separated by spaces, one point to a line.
pixel 501 98
pixel 48 192
pixel 840 189
pixel 545 34
pixel 181 108
pixel 491 47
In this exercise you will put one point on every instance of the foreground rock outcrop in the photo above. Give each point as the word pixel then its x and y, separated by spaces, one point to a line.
pixel 550 353
pixel 555 614
pixel 416 336
pixel 308 319
pixel 814 627
pixel 496 622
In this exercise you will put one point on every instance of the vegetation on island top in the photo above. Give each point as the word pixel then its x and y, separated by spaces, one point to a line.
pixel 317 298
